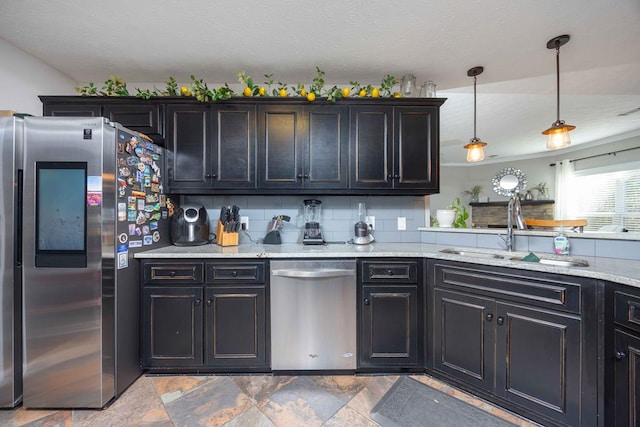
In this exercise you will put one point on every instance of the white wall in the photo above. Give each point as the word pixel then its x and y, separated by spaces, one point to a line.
pixel 23 78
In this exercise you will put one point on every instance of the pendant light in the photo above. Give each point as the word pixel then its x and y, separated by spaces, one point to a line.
pixel 558 133
pixel 475 153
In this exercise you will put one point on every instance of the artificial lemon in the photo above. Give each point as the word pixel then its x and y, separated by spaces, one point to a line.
pixel 397 95
pixel 247 91
pixel 185 91
pixel 283 92
pixel 375 92
pixel 262 91
pixel 303 93
pixel 362 93
pixel 345 92
pixel 311 97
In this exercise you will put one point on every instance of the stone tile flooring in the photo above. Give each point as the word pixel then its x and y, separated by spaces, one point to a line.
pixel 240 401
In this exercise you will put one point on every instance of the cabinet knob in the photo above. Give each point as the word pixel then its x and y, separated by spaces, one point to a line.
pixel 620 355
pixel 389 272
pixel 208 175
pixel 396 176
pixel 306 176
pixel 234 273
pixel 500 320
pixel 197 302
pixel 299 176
pixel 489 317
pixel 209 302
pixel 389 176
pixel 172 274
pixel 366 301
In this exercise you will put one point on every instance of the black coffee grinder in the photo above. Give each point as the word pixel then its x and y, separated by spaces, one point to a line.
pixel 312 233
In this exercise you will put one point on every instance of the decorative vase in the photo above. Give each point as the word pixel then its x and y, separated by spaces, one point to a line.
pixel 474 198
pixel 445 217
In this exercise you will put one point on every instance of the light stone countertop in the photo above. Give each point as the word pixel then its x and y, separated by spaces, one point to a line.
pixel 621 271
pixel 602 235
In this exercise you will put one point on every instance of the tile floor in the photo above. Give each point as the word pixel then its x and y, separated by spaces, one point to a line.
pixel 234 401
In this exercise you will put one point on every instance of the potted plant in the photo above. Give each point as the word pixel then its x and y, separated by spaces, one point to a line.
pixel 542 189
pixel 455 215
pixel 474 193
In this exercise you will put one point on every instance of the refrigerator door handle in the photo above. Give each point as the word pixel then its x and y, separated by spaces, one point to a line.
pixel 17 235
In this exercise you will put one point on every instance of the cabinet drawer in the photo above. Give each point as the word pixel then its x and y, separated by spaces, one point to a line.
pixel 627 310
pixel 189 273
pixel 236 272
pixel 542 289
pixel 391 271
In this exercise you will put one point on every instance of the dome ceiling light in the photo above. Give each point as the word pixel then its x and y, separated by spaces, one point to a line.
pixel 475 153
pixel 558 133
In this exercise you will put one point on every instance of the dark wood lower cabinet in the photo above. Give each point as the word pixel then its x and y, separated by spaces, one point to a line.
pixel 235 327
pixel 390 326
pixel 627 379
pixel 172 326
pixel 391 316
pixel 518 339
pixel 538 361
pixel 205 317
pixel 464 337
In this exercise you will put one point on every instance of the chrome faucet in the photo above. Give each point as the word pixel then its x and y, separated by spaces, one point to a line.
pixel 513 212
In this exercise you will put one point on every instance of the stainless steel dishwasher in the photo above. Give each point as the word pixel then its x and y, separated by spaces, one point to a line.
pixel 313 315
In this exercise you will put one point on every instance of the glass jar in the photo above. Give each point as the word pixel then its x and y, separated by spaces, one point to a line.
pixel 428 89
pixel 408 85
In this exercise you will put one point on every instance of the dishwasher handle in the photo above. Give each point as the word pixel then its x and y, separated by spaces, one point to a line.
pixel 313 273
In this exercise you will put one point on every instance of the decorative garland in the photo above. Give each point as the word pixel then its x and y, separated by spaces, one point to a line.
pixel 115 86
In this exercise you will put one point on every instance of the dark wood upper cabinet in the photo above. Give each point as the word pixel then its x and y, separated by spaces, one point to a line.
pixel 303 147
pixel 395 148
pixel 210 147
pixel 356 146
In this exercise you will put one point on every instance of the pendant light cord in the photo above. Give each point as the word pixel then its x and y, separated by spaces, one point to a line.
pixel 558 79
pixel 474 107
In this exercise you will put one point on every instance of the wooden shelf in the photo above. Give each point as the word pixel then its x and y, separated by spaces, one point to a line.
pixel 506 202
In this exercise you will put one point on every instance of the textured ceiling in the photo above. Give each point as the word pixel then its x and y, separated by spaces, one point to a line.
pixel 363 40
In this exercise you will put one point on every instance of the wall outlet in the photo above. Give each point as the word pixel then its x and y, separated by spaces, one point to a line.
pixel 371 221
pixel 244 222
pixel 402 223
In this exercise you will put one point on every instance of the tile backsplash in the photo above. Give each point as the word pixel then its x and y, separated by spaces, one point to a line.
pixel 338 215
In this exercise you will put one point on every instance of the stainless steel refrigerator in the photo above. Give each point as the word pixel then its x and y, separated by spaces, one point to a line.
pixel 92 198
pixel 10 262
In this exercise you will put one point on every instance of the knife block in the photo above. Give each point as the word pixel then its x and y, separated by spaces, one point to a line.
pixel 225 238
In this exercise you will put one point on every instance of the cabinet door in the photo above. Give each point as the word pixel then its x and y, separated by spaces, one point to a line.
pixel 416 154
pixel 188 148
pixel 326 152
pixel 172 326
pixel 371 142
pixel 627 379
pixel 235 329
pixel 233 143
pixel 145 118
pixel 71 110
pixel 538 361
pixel 280 142
pixel 389 326
pixel 464 337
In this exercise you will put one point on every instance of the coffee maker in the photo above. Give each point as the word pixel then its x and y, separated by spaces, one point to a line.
pixel 362 230
pixel 312 233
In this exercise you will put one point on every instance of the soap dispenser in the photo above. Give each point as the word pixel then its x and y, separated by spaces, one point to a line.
pixel 561 243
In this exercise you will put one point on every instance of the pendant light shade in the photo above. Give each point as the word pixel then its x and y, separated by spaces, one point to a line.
pixel 475 152
pixel 558 133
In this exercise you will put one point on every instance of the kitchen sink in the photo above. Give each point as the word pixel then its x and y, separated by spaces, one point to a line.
pixel 472 254
pixel 490 255
pixel 559 262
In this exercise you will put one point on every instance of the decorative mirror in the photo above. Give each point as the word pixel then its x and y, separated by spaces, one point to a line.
pixel 509 181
